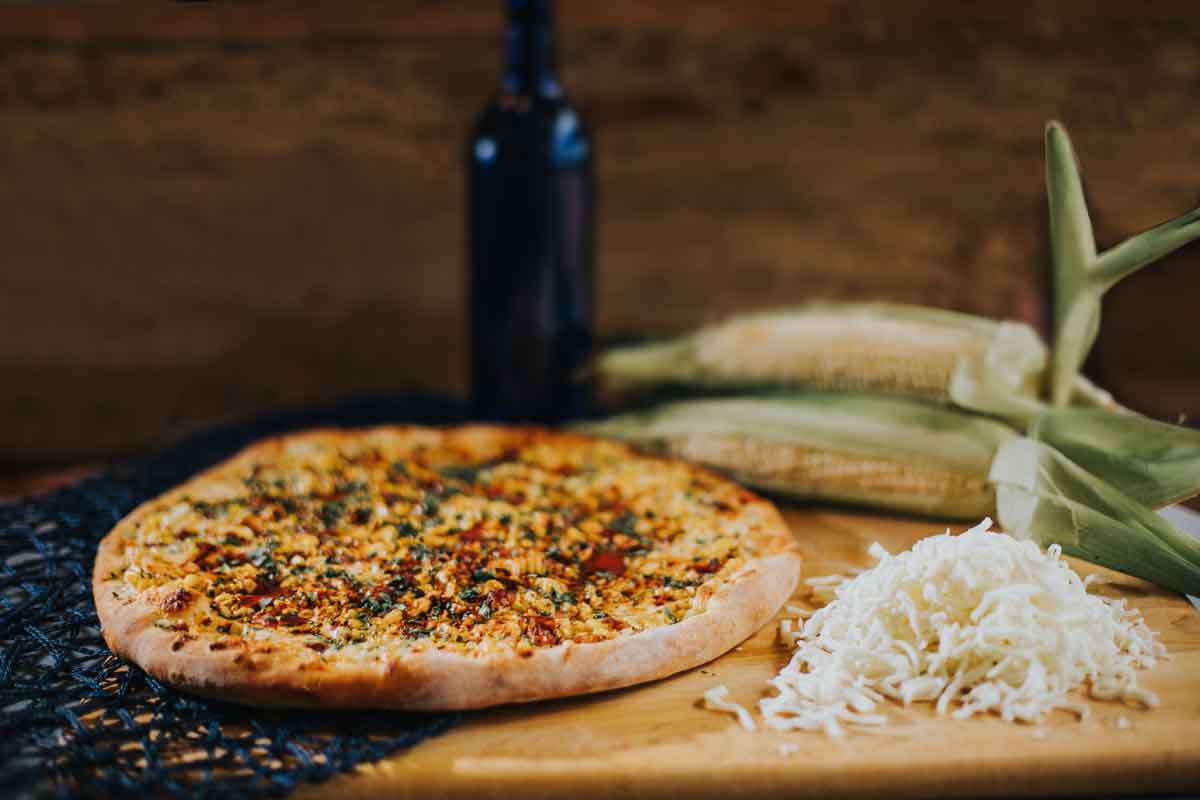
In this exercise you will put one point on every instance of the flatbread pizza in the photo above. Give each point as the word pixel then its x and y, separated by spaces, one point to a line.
pixel 420 568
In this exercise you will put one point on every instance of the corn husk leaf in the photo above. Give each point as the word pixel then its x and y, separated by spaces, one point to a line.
pixel 1043 496
pixel 1002 380
pixel 1081 276
pixel 884 452
pixel 1153 462
pixel 1073 245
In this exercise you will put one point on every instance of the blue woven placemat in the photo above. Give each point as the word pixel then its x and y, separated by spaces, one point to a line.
pixel 77 721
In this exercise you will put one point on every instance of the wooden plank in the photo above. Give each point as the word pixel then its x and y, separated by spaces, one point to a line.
pixel 269 213
pixel 654 741
pixel 368 19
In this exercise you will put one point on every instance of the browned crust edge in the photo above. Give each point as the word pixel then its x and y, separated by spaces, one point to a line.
pixel 292 676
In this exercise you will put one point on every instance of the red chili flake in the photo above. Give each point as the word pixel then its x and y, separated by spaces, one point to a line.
pixel 264 586
pixel 218 645
pixel 615 624
pixel 605 561
pixel 248 600
pixel 176 601
pixel 712 565
pixel 542 631
pixel 499 597
pixel 473 533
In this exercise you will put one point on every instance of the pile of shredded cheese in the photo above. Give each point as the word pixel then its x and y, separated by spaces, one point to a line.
pixel 975 623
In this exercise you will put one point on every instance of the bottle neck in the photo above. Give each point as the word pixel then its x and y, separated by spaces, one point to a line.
pixel 529 50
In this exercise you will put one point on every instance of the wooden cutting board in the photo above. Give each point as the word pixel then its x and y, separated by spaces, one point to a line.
pixel 655 741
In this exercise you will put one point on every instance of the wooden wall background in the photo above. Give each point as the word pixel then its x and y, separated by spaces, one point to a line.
pixel 206 211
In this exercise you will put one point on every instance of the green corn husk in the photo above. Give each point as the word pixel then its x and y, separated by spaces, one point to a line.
pixel 881 348
pixel 1153 462
pixel 1043 496
pixel 884 452
pixel 1081 275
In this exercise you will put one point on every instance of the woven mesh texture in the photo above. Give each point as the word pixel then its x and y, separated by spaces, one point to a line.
pixel 75 720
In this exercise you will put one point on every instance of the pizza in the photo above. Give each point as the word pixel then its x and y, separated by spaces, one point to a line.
pixel 421 568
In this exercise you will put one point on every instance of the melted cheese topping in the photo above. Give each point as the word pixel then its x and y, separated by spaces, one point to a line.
pixel 345 548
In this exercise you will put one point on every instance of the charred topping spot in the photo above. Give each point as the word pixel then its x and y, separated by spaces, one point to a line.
pixel 379 603
pixel 176 601
pixel 542 631
pixel 332 512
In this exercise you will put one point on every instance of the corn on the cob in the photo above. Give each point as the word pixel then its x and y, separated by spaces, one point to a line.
pixel 1153 462
pixel 886 452
pixel 1081 275
pixel 879 348
pixel 1043 496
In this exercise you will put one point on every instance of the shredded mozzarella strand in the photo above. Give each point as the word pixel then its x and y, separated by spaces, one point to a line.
pixel 975 623
pixel 716 699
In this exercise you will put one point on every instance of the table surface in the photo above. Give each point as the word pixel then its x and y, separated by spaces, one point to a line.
pixel 655 740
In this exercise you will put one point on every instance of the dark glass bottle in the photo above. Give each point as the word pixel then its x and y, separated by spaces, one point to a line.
pixel 530 220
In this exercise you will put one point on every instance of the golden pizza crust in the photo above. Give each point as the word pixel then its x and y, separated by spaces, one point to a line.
pixel 281 671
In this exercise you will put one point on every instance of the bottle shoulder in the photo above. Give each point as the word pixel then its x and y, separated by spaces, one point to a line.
pixel 520 111
pixel 521 121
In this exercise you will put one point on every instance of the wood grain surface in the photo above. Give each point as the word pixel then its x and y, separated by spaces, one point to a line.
pixel 655 741
pixel 208 210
